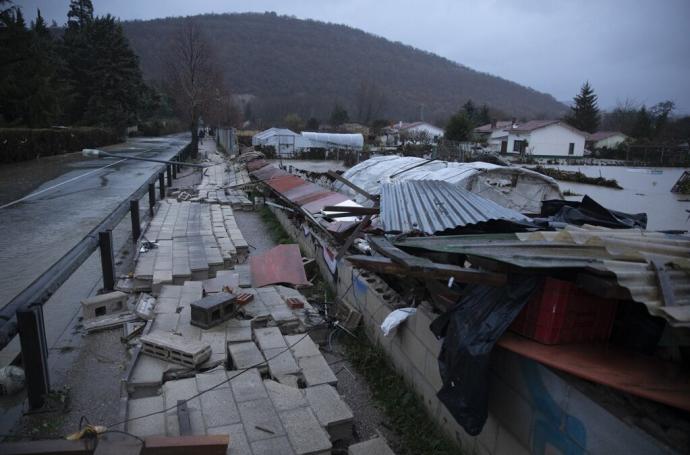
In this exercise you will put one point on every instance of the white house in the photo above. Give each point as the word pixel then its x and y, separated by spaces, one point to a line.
pixel 493 133
pixel 416 129
pixel 544 138
pixel 605 139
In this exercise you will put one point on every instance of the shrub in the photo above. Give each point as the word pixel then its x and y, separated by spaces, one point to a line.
pixel 22 144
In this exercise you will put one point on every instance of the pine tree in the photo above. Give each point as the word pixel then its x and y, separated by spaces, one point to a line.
pixel 483 117
pixel 585 112
pixel 459 127
pixel 80 14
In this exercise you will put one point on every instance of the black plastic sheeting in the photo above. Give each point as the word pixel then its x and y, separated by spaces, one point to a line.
pixel 469 331
pixel 590 212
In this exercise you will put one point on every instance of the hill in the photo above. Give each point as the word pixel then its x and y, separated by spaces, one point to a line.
pixel 304 66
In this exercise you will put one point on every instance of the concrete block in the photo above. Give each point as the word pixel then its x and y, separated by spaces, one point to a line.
pixel 420 323
pixel 273 446
pixel 173 348
pixel 316 371
pixel 285 397
pixel 431 372
pixel 147 426
pixel 104 304
pixel 238 331
pixel 245 355
pixel 182 389
pixel 376 446
pixel 247 386
pixel 305 432
pixel 426 393
pixel 269 338
pixel 331 411
pixel 219 408
pixel 260 420
pixel 413 348
pixel 302 346
pixel 216 339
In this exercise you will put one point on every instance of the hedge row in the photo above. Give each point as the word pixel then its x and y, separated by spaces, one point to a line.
pixel 21 144
pixel 159 127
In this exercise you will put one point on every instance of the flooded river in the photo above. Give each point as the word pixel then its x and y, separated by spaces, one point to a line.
pixel 644 190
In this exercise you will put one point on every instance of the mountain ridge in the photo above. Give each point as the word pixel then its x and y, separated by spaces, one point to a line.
pixel 305 66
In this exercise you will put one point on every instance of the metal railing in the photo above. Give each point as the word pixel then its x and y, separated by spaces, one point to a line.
pixel 41 289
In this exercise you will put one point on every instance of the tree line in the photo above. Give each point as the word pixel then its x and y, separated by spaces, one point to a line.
pixel 84 74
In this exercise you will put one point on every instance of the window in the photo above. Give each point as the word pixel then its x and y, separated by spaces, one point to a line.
pixel 571 148
pixel 517 146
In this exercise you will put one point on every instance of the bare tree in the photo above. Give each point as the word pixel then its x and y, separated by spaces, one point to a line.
pixel 370 101
pixel 192 75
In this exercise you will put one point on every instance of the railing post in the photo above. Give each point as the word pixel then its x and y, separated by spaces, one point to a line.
pixel 105 242
pixel 161 185
pixel 174 171
pixel 168 171
pixel 32 339
pixel 134 215
pixel 152 198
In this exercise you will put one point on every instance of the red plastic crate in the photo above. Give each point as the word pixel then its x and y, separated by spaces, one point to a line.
pixel 561 313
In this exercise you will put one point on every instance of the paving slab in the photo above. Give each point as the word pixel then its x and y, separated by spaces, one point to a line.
pixel 238 439
pixel 273 446
pixel 247 386
pixel 376 446
pixel 245 355
pixel 281 362
pixel 333 413
pixel 238 331
pixel 205 381
pixel 305 432
pixel 182 389
pixel 302 346
pixel 269 338
pixel 219 408
pixel 148 372
pixel 153 425
pixel 260 419
pixel 316 371
pixel 285 397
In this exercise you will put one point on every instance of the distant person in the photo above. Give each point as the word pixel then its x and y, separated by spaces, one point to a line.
pixel 201 136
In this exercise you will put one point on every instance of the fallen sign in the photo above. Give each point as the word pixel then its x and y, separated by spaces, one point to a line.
pixel 280 265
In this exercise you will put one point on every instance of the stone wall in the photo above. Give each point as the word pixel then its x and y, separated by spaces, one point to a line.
pixel 531 408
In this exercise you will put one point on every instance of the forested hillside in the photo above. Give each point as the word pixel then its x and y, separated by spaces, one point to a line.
pixel 305 67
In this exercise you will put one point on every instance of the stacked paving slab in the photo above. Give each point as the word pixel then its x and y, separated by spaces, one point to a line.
pixel 193 242
pixel 275 394
pixel 216 187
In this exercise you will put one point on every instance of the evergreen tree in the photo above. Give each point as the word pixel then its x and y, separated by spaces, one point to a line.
pixel 312 124
pixel 644 124
pixel 339 115
pixel 459 127
pixel 14 54
pixel 483 117
pixel 470 110
pixel 585 112
pixel 80 14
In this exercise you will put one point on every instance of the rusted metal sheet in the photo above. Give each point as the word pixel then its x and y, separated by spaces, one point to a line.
pixel 328 199
pixel 280 265
pixel 305 193
pixel 284 183
pixel 636 374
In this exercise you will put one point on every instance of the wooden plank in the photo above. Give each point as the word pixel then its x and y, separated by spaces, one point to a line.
pixel 436 271
pixel 48 446
pixel 382 246
pixel 120 445
pixel 181 445
pixel 346 182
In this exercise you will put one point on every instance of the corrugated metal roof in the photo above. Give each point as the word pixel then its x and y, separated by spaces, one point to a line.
pixel 268 172
pixel 431 206
pixel 328 199
pixel 625 254
pixel 284 183
pixel 306 193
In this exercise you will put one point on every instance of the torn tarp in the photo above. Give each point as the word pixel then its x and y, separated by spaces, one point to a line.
pixel 279 265
pixel 469 331
pixel 591 212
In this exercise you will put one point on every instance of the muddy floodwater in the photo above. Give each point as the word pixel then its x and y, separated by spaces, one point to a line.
pixel 644 190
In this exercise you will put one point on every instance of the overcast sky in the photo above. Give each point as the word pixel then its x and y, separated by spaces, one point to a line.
pixel 628 49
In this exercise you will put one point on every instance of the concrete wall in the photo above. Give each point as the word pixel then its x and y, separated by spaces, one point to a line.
pixel 531 408
pixel 553 140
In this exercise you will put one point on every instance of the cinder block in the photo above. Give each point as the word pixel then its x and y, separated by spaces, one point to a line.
pixel 176 349
pixel 104 304
pixel 414 349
